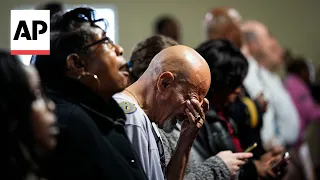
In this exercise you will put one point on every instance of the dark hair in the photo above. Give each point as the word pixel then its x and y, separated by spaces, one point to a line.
pixel 144 52
pixel 16 98
pixel 296 65
pixel 227 64
pixel 53 6
pixel 161 22
pixel 69 35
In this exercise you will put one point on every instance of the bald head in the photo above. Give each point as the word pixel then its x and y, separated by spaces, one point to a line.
pixel 253 29
pixel 224 23
pixel 262 45
pixel 175 75
pixel 184 62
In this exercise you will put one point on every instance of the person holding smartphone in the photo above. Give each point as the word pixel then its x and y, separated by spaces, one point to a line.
pixel 228 68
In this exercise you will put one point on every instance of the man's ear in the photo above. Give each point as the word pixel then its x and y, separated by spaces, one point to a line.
pixel 165 80
pixel 75 64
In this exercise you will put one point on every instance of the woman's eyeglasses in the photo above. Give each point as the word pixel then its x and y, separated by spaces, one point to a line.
pixel 105 40
pixel 103 24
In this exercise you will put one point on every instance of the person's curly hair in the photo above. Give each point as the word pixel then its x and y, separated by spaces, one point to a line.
pixel 227 64
pixel 144 52
pixel 69 34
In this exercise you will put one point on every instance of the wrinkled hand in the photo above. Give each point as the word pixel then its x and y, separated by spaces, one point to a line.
pixel 195 112
pixel 234 160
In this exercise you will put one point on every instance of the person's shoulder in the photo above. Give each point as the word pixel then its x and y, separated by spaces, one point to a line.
pixel 71 116
pixel 134 114
pixel 211 115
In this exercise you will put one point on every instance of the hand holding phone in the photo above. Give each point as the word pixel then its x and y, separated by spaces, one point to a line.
pixel 250 148
pixel 279 168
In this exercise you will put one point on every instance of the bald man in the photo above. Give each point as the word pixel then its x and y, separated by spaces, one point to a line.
pixel 172 88
pixel 224 23
pixel 281 121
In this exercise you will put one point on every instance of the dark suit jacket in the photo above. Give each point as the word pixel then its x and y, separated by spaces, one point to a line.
pixel 92 144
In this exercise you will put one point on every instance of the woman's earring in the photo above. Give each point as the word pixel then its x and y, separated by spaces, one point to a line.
pixel 90 80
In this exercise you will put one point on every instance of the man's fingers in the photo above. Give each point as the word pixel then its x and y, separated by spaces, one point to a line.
pixel 239 162
pixel 192 109
pixel 243 155
pixel 226 151
pixel 197 106
pixel 234 170
pixel 205 105
pixel 189 115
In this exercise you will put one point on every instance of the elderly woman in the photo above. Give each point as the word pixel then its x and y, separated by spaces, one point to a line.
pixel 84 69
pixel 30 118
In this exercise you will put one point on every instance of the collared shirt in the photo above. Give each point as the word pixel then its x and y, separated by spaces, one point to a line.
pixel 254 86
pixel 302 98
pixel 281 120
pixel 285 121
pixel 252 82
pixel 140 132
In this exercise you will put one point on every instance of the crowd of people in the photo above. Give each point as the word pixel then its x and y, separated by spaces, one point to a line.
pixel 219 111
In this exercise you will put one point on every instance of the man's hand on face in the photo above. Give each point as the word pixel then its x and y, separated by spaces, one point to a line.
pixel 234 160
pixel 195 112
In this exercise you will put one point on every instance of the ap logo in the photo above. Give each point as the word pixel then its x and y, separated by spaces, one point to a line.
pixel 30 32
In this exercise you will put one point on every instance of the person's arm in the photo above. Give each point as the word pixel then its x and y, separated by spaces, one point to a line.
pixel 211 169
pixel 139 140
pixel 189 131
pixel 218 167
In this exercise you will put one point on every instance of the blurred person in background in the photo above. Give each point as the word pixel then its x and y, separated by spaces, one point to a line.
pixel 298 83
pixel 228 69
pixel 218 167
pixel 84 69
pixel 223 23
pixel 144 51
pixel 53 6
pixel 281 121
pixel 30 118
pixel 248 109
pixel 167 26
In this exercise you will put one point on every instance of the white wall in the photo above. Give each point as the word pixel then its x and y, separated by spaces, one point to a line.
pixel 294 22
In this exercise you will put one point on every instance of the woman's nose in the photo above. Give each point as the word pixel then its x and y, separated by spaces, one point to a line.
pixel 118 50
